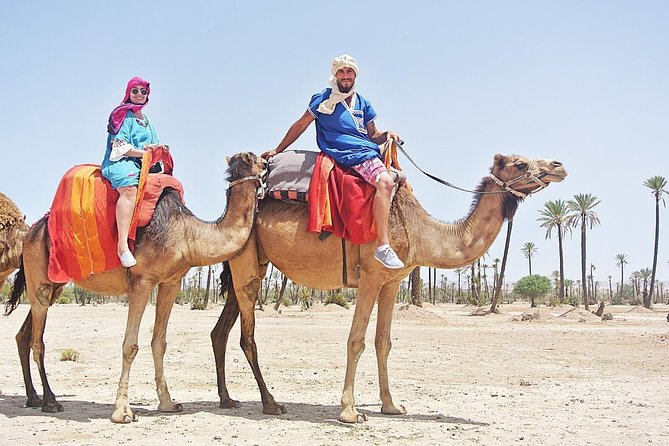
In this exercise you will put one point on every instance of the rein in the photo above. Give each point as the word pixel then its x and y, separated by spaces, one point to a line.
pixel 506 186
pixel 260 178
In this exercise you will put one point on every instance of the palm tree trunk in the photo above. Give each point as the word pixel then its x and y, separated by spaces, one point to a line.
pixel 657 239
pixel 559 231
pixel 500 279
pixel 584 288
pixel 415 287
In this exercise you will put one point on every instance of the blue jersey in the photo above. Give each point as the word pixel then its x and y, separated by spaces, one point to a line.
pixel 343 134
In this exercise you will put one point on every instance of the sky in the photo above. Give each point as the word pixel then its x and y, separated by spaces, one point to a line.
pixel 582 82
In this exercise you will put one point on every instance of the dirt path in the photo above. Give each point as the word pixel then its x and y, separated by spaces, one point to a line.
pixel 571 380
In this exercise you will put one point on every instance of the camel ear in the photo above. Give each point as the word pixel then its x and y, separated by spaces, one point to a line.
pixel 500 160
pixel 227 159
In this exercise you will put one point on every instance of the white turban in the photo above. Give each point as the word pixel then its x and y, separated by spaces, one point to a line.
pixel 343 61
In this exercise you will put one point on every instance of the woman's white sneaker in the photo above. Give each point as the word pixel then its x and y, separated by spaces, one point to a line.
pixel 127 259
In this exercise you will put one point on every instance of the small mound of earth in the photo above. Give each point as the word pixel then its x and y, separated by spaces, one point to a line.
pixel 412 312
pixel 640 309
pixel 580 315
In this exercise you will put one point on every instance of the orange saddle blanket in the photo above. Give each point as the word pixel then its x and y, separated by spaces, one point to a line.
pixel 82 219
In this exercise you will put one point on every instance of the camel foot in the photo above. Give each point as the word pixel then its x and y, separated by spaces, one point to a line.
pixel 351 415
pixel 170 407
pixel 391 409
pixel 229 404
pixel 34 401
pixel 52 407
pixel 124 416
pixel 273 409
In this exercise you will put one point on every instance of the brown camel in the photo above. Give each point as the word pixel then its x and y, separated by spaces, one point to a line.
pixel 172 243
pixel 12 230
pixel 280 236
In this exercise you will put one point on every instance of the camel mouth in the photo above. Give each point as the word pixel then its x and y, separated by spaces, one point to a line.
pixel 554 176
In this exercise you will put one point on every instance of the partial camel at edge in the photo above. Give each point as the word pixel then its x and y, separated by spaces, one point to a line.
pixel 12 230
pixel 173 242
pixel 280 236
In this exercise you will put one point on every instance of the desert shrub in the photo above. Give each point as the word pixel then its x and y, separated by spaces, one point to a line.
pixel 337 299
pixel 64 300
pixel 69 354
pixel 197 304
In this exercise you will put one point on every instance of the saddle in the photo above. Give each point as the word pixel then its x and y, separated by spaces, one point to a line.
pixel 82 219
pixel 339 201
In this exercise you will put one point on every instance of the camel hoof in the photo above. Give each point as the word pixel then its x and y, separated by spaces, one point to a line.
pixel 53 407
pixel 34 402
pixel 394 410
pixel 351 415
pixel 124 418
pixel 171 408
pixel 229 404
pixel 274 409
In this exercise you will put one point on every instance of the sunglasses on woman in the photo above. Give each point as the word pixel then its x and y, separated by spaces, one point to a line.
pixel 144 91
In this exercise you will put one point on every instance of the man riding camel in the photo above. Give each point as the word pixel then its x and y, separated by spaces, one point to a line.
pixel 346 131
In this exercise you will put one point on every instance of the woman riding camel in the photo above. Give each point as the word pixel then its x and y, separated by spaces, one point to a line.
pixel 130 132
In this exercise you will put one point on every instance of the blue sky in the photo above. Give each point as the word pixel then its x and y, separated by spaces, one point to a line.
pixel 584 82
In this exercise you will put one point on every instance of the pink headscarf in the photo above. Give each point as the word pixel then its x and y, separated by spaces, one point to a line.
pixel 118 114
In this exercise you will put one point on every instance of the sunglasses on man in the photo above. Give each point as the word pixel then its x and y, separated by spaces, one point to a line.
pixel 144 91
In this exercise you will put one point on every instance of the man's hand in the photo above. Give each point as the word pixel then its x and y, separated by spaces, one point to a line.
pixel 267 155
pixel 393 135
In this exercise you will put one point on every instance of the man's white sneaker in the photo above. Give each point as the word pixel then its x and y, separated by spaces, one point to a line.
pixel 127 259
pixel 387 256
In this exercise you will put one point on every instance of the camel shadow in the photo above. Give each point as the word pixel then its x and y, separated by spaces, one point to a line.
pixel 13 406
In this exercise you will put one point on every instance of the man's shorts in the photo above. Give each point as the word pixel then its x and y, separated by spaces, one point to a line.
pixel 370 170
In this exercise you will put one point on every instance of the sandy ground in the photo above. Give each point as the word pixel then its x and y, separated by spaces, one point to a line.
pixel 571 380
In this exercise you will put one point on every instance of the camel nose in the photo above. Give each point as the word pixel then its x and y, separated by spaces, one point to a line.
pixel 556 164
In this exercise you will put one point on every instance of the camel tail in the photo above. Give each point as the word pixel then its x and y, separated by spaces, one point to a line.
pixel 226 280
pixel 18 288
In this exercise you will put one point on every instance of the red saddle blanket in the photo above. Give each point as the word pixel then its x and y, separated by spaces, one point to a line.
pixel 82 219
pixel 340 201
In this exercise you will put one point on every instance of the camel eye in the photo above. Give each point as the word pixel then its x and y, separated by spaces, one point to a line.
pixel 521 165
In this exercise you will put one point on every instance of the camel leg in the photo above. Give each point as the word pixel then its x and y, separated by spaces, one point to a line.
pixel 138 296
pixel 38 312
pixel 219 342
pixel 23 338
pixel 382 344
pixel 167 294
pixel 246 280
pixel 355 346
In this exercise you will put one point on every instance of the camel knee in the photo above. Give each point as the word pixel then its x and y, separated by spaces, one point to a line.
pixel 356 347
pixel 383 345
pixel 130 352
pixel 252 288
pixel 44 295
pixel 159 346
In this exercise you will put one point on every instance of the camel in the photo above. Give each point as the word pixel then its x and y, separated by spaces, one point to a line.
pixel 12 230
pixel 173 242
pixel 280 236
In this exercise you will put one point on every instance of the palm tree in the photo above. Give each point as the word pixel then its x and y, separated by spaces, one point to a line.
pixel 644 275
pixel 621 261
pixel 554 216
pixel 582 214
pixel 657 184
pixel 528 251
pixel 459 272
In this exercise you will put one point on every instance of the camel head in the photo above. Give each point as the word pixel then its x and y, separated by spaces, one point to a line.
pixel 522 176
pixel 246 166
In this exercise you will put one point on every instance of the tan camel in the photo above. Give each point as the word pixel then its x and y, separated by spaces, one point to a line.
pixel 12 230
pixel 280 236
pixel 172 243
